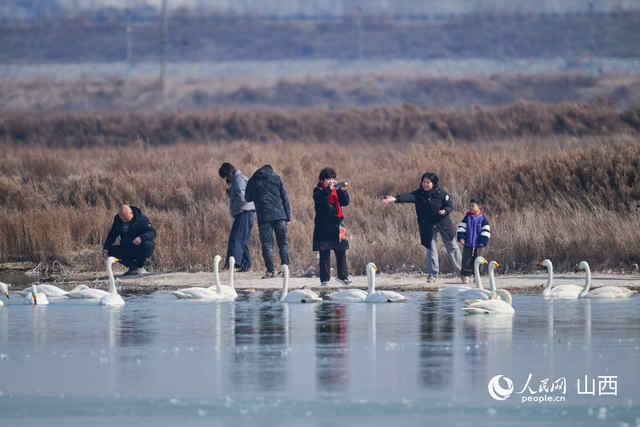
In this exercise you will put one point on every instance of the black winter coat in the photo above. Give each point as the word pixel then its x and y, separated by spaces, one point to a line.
pixel 327 224
pixel 139 226
pixel 428 204
pixel 266 190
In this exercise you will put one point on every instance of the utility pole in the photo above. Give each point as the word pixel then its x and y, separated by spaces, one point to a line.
pixel 129 45
pixel 164 34
pixel 359 27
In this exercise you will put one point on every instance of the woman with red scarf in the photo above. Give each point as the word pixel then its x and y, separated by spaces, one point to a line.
pixel 329 232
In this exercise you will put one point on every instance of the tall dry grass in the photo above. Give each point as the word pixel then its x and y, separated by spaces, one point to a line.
pixel 337 91
pixel 385 124
pixel 58 203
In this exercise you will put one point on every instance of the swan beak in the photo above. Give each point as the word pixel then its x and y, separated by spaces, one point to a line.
pixel 7 294
pixel 497 265
pixel 35 299
pixel 375 268
pixel 115 259
pixel 578 269
pixel 541 264
pixel 484 261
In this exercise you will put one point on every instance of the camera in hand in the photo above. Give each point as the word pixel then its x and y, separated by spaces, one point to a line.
pixel 341 184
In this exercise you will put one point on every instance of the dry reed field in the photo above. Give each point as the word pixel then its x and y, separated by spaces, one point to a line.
pixel 401 124
pixel 21 94
pixel 558 196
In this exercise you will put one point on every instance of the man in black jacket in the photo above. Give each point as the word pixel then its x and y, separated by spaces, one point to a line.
pixel 433 206
pixel 136 239
pixel 266 190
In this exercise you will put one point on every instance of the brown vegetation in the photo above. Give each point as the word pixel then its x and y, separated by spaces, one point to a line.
pixel 374 125
pixel 561 197
pixel 341 91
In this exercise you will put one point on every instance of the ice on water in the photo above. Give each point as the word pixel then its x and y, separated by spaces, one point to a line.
pixel 157 360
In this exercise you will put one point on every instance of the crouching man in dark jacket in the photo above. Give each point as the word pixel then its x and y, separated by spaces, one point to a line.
pixel 136 239
pixel 266 190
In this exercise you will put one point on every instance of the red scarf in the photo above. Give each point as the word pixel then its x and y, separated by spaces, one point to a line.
pixel 333 199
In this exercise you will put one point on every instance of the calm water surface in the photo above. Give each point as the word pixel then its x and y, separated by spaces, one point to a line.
pixel 158 361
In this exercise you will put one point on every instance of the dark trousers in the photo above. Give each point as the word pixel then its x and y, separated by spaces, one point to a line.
pixel 267 229
pixel 133 256
pixel 238 246
pixel 325 264
pixel 469 254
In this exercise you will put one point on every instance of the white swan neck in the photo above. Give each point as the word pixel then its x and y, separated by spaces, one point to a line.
pixel 549 276
pixel 216 273
pixel 112 280
pixel 371 278
pixel 285 284
pixel 587 278
pixel 476 273
pixel 232 268
pixel 492 277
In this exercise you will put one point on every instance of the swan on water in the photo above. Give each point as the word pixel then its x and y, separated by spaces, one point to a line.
pixel 380 296
pixel 4 288
pixel 35 297
pixel 479 292
pixel 353 295
pixel 211 293
pixel 53 291
pixel 453 291
pixel 499 301
pixel 85 292
pixel 112 299
pixel 559 291
pixel 297 295
pixel 602 292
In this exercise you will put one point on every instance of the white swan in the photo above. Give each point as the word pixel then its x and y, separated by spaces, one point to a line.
pixel 35 297
pixel 380 296
pixel 297 295
pixel 85 292
pixel 4 288
pixel 602 292
pixel 353 295
pixel 479 292
pixel 453 291
pixel 560 291
pixel 211 293
pixel 52 291
pixel 112 299
pixel 499 301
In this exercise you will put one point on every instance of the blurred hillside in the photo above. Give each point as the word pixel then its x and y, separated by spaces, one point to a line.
pixel 193 36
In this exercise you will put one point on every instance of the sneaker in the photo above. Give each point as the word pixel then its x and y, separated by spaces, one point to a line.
pixel 269 275
pixel 346 282
pixel 324 283
pixel 432 278
pixel 140 270
pixel 465 279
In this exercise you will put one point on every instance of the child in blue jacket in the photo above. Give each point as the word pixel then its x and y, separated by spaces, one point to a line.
pixel 473 233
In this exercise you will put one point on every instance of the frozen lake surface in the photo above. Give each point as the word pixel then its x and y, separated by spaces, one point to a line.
pixel 159 361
